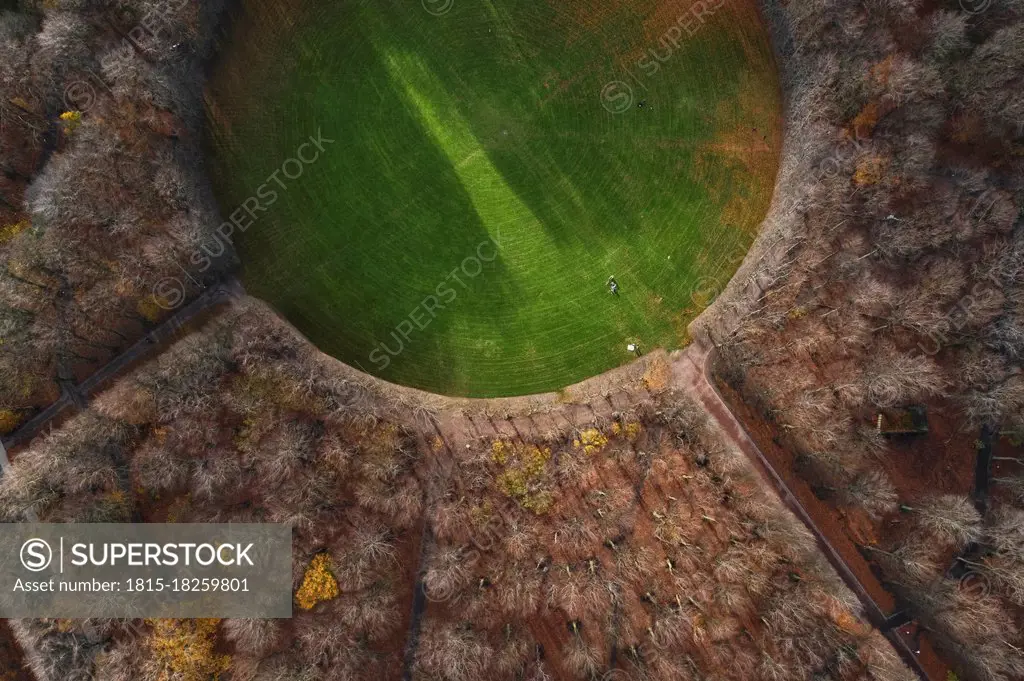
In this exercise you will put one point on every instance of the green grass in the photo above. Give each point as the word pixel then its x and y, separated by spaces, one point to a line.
pixel 486 126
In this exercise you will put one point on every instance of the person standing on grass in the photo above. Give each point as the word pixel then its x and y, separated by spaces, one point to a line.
pixel 613 286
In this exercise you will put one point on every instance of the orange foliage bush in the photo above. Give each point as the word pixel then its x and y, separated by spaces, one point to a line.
pixel 864 123
pixel 183 650
pixel 9 420
pixel 870 171
pixel 318 584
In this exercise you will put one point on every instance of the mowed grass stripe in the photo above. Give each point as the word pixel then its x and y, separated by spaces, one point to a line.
pixel 486 124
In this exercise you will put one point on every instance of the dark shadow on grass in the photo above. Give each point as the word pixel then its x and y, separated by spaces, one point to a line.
pixel 355 273
pixel 355 289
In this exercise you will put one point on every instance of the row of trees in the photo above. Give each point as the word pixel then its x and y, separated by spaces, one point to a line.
pixel 661 556
pixel 898 217
pixel 659 542
pixel 104 201
pixel 239 422
pixel 972 607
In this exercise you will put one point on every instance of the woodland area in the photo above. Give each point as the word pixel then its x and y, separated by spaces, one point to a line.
pixel 900 284
pixel 103 202
pixel 638 542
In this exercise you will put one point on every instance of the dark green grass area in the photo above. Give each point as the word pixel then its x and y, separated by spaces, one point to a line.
pixel 477 143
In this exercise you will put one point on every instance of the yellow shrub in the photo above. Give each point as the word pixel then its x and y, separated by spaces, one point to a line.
pixel 71 120
pixel 183 650
pixel 500 451
pixel 248 434
pixel 629 430
pixel 590 441
pixel 870 171
pixel 179 508
pixel 481 515
pixel 112 507
pixel 318 584
pixel 9 420
pixel 657 374
pixel 864 123
pixel 535 460
pixel 8 232
pixel 524 476
pixel 513 483
pixel 152 308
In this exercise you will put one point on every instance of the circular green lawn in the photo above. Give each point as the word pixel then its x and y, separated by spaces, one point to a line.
pixel 479 169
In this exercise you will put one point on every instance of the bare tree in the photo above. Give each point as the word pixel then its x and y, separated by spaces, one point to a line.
pixel 452 653
pixel 871 490
pixel 253 636
pixel 949 517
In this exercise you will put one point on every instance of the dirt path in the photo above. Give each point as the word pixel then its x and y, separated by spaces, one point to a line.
pixel 983 468
pixel 691 373
pixel 75 397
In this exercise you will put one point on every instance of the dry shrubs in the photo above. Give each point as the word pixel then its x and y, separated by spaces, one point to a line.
pixel 452 653
pixel 663 544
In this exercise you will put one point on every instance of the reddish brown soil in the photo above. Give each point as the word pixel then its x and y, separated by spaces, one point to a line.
pixel 941 461
pixel 550 631
pixel 1004 449
pixel 927 657
pixel 646 490
pixel 828 519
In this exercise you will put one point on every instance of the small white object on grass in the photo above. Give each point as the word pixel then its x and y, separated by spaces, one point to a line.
pixel 631 347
